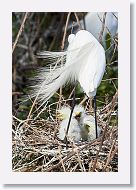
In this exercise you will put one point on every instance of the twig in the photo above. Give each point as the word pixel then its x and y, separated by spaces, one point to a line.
pixel 65 31
pixel 61 159
pixel 19 32
pixel 100 147
pixel 83 101
pixel 80 162
pixel 103 26
pixel 111 104
pixel 109 155
pixel 72 153
pixel 107 29
pixel 105 129
pixel 79 24
pixel 60 25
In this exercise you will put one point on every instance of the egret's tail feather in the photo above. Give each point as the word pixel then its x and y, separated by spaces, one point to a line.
pixel 58 73
pixel 48 84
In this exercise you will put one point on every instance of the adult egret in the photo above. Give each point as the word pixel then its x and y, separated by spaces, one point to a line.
pixel 83 62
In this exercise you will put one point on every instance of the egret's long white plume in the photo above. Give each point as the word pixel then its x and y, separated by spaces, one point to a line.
pixel 83 61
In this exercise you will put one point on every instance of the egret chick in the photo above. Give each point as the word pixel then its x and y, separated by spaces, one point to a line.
pixel 63 113
pixel 79 112
pixel 87 123
pixel 74 133
pixel 88 128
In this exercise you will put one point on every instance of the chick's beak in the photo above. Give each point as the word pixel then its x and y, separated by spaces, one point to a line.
pixel 78 115
pixel 59 116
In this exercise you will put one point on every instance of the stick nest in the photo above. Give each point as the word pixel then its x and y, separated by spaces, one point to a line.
pixel 36 147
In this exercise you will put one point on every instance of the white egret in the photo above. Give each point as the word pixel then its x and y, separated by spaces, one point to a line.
pixel 82 126
pixel 88 131
pixel 87 124
pixel 63 113
pixel 83 62
pixel 79 112
pixel 74 133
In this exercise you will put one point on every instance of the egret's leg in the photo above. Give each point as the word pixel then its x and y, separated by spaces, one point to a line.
pixel 73 105
pixel 95 108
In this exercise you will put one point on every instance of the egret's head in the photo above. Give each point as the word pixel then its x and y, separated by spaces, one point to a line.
pixel 63 113
pixel 78 112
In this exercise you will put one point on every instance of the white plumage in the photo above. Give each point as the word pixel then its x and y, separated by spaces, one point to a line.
pixel 74 130
pixel 88 128
pixel 82 126
pixel 87 123
pixel 83 61
pixel 63 113
pixel 74 133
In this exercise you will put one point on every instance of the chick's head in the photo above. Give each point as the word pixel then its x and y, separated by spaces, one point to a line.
pixel 63 113
pixel 78 112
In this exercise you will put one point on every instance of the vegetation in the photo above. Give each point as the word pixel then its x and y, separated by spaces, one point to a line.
pixel 36 146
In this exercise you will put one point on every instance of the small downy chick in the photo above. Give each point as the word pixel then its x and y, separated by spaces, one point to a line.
pixel 74 128
pixel 79 112
pixel 86 122
pixel 88 128
pixel 63 113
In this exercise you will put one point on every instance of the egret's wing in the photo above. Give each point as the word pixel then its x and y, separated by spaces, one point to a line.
pixel 92 70
pixel 70 65
pixel 101 64
pixel 60 71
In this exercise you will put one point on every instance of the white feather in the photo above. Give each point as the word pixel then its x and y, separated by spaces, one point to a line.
pixel 81 128
pixel 74 130
pixel 83 61
pixel 87 124
pixel 88 128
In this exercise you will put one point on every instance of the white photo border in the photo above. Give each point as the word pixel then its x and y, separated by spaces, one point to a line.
pixel 7 176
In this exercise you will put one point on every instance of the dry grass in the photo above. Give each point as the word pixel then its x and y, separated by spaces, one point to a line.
pixel 36 146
